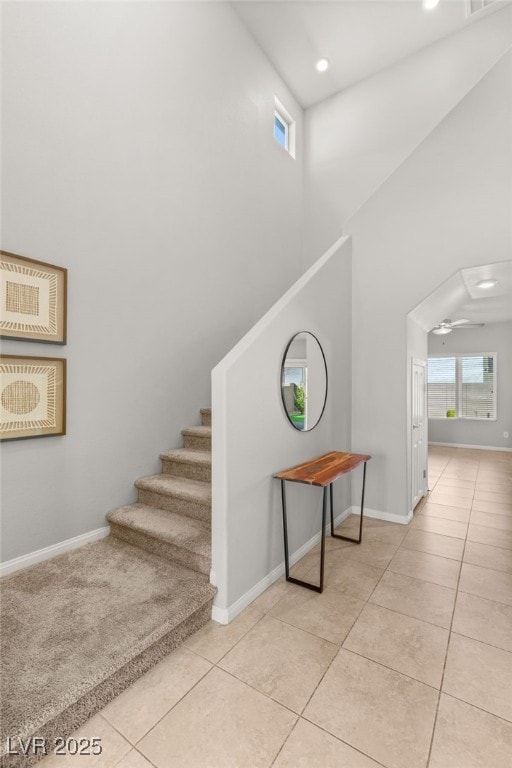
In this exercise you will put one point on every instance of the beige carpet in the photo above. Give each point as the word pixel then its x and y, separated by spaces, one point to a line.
pixel 77 629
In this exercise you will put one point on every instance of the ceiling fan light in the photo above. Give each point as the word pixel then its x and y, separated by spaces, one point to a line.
pixel 441 330
pixel 429 5
pixel 488 283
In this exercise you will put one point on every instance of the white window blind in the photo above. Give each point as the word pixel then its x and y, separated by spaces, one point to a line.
pixel 462 386
pixel 477 398
pixel 442 392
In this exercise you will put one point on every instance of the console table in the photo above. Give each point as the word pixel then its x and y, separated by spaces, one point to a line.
pixel 322 471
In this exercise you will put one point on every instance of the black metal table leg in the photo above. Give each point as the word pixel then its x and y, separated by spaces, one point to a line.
pixel 285 531
pixel 307 584
pixel 348 538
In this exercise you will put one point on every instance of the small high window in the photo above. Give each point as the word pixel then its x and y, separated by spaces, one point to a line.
pixel 284 128
pixel 280 130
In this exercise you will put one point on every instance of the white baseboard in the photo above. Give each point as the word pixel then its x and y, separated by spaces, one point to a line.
pixel 475 447
pixel 379 514
pixel 10 566
pixel 225 615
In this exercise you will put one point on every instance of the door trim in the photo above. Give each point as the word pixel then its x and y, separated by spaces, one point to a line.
pixel 424 458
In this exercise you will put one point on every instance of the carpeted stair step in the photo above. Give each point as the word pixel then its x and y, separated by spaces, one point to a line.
pixel 84 626
pixel 167 534
pixel 192 498
pixel 188 463
pixel 197 437
pixel 206 417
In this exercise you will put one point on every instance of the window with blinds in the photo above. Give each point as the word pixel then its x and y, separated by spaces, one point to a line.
pixel 462 386
pixel 442 387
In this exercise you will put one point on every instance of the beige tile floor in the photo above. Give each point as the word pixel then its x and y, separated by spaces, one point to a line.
pixel 404 661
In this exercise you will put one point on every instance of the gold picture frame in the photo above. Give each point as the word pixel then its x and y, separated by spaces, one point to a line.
pixel 33 300
pixel 32 397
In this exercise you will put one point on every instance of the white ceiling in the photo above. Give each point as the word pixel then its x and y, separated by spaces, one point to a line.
pixel 459 297
pixel 359 37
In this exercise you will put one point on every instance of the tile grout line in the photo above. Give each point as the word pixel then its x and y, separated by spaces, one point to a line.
pixel 312 634
pixel 365 603
pixel 130 745
pixel 408 615
pixel 446 653
pixel 300 715
pixel 261 693
pixel 336 738
pixel 480 709
pixel 390 609
pixel 284 742
pixel 489 599
pixel 477 640
pixel 329 666
pixel 135 745
pixel 390 669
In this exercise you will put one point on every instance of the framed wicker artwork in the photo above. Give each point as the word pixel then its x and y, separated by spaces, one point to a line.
pixel 33 298
pixel 32 397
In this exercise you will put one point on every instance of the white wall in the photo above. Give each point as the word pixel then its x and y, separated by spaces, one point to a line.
pixel 138 153
pixel 356 139
pixel 253 439
pixel 447 207
pixel 494 337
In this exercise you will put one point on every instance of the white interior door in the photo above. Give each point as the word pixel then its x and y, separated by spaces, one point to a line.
pixel 418 436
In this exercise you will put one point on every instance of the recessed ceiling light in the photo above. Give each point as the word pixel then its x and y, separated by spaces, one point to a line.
pixel 322 65
pixel 430 4
pixel 490 283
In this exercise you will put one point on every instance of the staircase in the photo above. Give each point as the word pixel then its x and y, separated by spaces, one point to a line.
pixel 172 516
pixel 113 608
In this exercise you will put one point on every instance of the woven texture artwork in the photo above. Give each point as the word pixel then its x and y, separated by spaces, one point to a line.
pixel 31 397
pixel 32 300
pixel 22 299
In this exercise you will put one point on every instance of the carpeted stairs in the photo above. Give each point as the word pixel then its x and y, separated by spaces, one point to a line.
pixel 173 513
pixel 78 629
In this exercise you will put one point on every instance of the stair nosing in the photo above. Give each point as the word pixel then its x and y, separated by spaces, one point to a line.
pixel 194 524
pixel 144 483
pixel 203 459
pixel 199 431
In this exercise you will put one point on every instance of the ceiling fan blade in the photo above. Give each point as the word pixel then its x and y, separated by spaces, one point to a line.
pixel 469 325
pixel 459 322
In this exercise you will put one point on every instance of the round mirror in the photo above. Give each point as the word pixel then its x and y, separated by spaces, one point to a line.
pixel 304 381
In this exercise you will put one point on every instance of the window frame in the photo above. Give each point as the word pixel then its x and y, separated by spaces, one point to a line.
pixel 285 118
pixel 458 384
pixel 278 116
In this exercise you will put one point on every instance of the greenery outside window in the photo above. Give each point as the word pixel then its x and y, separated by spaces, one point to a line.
pixel 462 387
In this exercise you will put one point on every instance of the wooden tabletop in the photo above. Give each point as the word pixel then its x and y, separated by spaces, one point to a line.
pixel 324 469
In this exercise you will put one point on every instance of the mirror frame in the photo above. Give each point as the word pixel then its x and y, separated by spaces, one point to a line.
pixel 295 429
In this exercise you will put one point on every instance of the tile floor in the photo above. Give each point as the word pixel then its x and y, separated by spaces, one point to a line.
pixel 404 661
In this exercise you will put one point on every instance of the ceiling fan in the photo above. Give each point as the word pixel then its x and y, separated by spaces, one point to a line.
pixel 447 326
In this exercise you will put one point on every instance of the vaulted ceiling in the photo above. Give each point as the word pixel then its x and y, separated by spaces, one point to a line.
pixel 359 37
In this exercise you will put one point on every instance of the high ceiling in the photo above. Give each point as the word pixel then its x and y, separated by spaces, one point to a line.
pixel 359 37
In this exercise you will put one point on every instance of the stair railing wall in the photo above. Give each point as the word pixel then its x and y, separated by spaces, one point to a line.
pixel 252 438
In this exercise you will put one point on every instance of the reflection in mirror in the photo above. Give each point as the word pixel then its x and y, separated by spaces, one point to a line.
pixel 304 381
